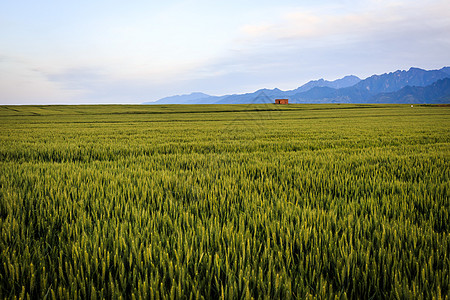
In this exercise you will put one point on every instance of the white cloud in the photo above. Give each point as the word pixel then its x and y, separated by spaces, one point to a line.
pixel 23 83
pixel 378 17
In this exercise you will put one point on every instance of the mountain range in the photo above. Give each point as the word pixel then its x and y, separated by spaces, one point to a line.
pixel 412 86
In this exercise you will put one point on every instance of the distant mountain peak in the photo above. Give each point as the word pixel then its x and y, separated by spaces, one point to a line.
pixel 415 69
pixel 194 94
pixel 390 82
pixel 445 70
pixel 346 81
pixel 437 92
pixel 181 99
pixel 268 90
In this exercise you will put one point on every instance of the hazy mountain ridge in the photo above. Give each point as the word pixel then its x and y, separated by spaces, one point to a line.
pixel 445 70
pixel 346 81
pixel 365 90
pixel 349 89
pixel 438 92
pixel 395 81
pixel 181 99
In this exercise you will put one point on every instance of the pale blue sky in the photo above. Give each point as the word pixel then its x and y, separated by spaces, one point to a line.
pixel 67 52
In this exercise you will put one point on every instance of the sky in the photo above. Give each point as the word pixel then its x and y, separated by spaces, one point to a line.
pixel 120 52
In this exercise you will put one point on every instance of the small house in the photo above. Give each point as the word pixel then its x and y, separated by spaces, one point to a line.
pixel 281 101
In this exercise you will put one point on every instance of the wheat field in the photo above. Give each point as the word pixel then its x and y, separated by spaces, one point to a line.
pixel 225 201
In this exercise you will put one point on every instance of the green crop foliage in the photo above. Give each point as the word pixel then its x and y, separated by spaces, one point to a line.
pixel 225 201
